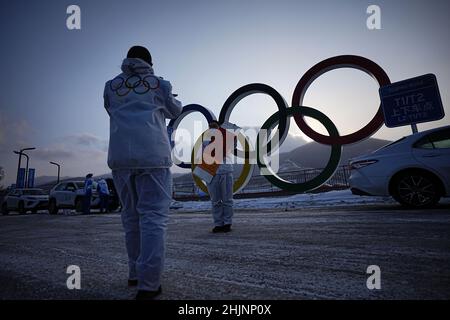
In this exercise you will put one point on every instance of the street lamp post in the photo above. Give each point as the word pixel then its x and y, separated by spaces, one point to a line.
pixel 59 168
pixel 26 169
pixel 20 153
pixel 18 167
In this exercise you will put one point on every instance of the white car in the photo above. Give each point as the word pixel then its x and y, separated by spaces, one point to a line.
pixel 70 194
pixel 23 200
pixel 414 170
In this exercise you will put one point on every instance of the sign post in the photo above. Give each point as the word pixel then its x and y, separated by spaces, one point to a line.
pixel 411 101
pixel 30 180
pixel 21 178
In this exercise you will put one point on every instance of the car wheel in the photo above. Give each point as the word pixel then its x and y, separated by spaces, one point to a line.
pixel 416 189
pixel 34 211
pixel 21 208
pixel 79 205
pixel 52 207
pixel 5 210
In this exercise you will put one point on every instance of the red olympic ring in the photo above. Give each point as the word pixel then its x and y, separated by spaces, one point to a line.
pixel 345 61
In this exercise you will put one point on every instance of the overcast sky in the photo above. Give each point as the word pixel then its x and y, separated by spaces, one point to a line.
pixel 53 78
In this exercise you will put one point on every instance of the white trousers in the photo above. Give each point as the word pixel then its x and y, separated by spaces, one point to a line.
pixel 221 193
pixel 145 195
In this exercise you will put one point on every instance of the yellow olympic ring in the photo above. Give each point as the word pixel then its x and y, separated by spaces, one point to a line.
pixel 246 173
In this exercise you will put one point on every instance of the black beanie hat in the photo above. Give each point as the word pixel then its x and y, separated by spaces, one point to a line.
pixel 141 53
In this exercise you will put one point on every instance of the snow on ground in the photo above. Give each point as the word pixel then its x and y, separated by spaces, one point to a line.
pixel 331 198
pixel 305 200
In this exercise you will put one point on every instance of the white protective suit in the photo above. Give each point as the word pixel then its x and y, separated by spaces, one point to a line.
pixel 221 188
pixel 103 186
pixel 139 155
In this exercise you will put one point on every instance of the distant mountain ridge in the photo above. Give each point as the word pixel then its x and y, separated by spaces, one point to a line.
pixel 47 179
pixel 316 155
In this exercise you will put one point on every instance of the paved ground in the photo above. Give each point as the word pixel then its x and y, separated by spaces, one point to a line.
pixel 300 254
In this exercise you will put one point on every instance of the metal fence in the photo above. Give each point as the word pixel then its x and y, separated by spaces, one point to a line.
pixel 259 184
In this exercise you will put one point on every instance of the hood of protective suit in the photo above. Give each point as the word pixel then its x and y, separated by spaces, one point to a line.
pixel 136 65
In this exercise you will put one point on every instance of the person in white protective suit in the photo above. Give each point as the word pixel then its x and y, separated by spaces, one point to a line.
pixel 139 154
pixel 103 192
pixel 220 188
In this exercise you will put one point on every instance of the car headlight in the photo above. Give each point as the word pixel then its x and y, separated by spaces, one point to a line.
pixel 362 164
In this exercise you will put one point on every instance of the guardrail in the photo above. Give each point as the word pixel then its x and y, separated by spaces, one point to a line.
pixel 258 185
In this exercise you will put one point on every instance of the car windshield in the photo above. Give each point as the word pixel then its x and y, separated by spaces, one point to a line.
pixel 34 192
pixel 80 185
pixel 392 143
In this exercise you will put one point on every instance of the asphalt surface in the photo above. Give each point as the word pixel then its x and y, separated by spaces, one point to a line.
pixel 300 254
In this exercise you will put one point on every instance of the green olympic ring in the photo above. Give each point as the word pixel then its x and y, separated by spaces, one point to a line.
pixel 328 171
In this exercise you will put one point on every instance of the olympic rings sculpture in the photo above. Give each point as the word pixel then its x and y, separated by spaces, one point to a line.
pixel 298 112
pixel 134 82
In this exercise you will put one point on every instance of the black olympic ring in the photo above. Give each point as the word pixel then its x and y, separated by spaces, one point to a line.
pixel 247 90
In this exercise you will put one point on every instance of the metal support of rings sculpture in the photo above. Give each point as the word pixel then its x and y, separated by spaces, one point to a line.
pixel 298 112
